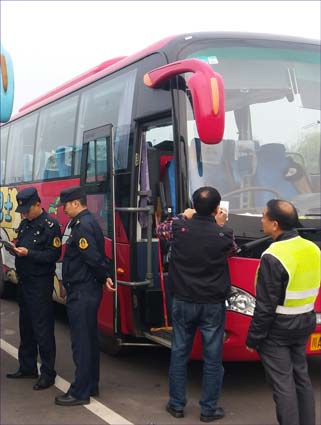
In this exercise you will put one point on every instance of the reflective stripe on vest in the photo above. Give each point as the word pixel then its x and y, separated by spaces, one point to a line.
pixel 302 261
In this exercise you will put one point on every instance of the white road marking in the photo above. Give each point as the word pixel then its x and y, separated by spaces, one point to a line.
pixel 99 409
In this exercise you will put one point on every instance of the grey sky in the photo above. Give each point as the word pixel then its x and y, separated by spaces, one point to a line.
pixel 50 42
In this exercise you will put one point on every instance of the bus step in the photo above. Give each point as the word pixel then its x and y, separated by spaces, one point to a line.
pixel 161 335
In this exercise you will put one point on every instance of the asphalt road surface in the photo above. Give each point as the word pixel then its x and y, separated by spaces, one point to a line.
pixel 133 387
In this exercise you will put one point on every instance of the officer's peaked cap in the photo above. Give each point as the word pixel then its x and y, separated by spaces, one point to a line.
pixel 26 198
pixel 71 193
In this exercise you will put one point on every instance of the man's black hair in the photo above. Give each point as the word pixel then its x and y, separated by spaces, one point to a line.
pixel 284 213
pixel 83 201
pixel 205 200
pixel 38 200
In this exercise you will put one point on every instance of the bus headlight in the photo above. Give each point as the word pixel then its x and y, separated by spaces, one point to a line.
pixel 318 316
pixel 241 301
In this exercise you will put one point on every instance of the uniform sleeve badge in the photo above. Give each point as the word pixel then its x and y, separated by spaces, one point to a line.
pixel 83 244
pixel 56 242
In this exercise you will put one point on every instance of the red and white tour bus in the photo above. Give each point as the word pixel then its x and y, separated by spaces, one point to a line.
pixel 141 133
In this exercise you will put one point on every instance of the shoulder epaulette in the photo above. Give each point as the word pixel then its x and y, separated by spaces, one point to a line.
pixel 50 223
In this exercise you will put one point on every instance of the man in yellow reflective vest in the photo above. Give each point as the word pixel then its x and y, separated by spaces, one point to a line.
pixel 288 282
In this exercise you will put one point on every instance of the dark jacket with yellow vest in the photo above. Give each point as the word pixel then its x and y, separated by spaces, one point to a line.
pixel 288 283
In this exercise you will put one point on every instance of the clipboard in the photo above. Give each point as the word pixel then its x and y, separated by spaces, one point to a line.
pixel 7 244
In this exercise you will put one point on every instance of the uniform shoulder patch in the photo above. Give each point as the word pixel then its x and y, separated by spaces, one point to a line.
pixel 50 223
pixel 56 242
pixel 83 244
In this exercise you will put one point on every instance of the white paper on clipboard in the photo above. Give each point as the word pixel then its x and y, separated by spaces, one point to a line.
pixel 225 205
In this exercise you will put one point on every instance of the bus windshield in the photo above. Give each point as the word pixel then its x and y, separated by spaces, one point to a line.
pixel 271 143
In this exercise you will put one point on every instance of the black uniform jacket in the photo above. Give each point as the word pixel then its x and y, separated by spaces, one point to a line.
pixel 198 269
pixel 270 292
pixel 85 259
pixel 42 238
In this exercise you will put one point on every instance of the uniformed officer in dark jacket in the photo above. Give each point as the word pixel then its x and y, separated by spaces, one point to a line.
pixel 85 270
pixel 38 247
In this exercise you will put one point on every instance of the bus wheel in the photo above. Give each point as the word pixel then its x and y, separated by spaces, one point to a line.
pixel 110 344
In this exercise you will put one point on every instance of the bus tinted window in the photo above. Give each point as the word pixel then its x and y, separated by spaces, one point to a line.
pixel 109 102
pixel 97 161
pixel 55 140
pixel 20 149
pixel 4 140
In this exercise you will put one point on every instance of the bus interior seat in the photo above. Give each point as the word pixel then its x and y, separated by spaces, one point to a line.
pixel 51 170
pixel 161 173
pixel 27 167
pixel 245 160
pixel 273 165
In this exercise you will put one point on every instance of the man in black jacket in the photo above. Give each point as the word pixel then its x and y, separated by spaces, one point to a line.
pixel 200 284
pixel 288 282
pixel 38 247
pixel 85 270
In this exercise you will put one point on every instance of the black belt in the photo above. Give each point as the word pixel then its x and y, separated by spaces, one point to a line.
pixel 74 285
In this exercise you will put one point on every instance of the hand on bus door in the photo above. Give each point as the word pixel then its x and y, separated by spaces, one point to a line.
pixel 110 285
pixel 250 349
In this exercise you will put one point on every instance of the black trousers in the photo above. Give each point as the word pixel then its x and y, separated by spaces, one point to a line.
pixel 286 370
pixel 83 301
pixel 36 323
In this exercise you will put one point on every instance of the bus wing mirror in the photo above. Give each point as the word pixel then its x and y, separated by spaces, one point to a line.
pixel 207 92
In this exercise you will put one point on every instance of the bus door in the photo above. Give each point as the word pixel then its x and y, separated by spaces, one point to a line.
pixel 97 178
pixel 157 188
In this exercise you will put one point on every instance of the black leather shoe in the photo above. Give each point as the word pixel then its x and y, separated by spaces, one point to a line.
pixel 22 375
pixel 174 412
pixel 219 414
pixel 43 383
pixel 69 400
pixel 95 393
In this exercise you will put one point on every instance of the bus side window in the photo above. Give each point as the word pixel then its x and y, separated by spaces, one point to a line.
pixel 3 151
pixel 55 132
pixel 27 167
pixel 63 159
pixel 2 165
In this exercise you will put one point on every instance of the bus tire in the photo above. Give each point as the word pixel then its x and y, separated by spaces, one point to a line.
pixel 110 344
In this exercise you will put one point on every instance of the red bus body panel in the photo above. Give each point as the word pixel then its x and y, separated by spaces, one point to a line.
pixel 242 272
